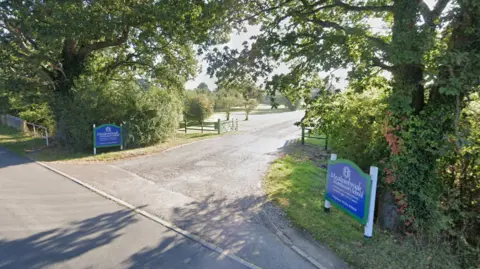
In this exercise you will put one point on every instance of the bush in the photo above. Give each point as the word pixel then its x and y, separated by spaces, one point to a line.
pixel 461 198
pixel 149 116
pixel 198 107
pixel 154 118
pixel 40 114
pixel 353 123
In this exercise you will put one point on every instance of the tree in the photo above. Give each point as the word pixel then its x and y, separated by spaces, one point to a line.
pixel 53 43
pixel 227 99
pixel 203 87
pixel 429 84
pixel 198 107
pixel 250 105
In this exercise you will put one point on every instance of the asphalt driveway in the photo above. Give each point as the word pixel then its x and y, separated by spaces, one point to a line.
pixel 47 221
pixel 212 188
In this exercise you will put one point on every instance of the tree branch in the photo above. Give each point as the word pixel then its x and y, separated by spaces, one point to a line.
pixel 105 44
pixel 261 11
pixel 380 43
pixel 363 8
pixel 430 16
pixel 439 8
pixel 111 67
pixel 378 63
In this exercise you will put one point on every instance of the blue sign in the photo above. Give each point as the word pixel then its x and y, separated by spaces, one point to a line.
pixel 348 188
pixel 107 135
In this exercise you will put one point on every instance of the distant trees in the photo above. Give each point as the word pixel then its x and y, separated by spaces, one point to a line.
pixel 243 93
pixel 202 87
pixel 227 99
pixel 198 107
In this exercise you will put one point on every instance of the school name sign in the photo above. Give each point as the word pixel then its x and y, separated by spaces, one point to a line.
pixel 107 135
pixel 352 191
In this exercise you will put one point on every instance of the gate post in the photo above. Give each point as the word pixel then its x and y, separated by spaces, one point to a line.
pixel 303 135
pixel 46 135
pixel 94 141
pixel 218 125
pixel 368 231
pixel 328 205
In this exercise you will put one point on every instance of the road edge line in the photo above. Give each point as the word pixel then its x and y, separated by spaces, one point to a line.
pixel 288 242
pixel 171 226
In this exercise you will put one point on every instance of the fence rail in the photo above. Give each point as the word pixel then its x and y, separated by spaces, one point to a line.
pixel 309 133
pixel 211 126
pixel 24 126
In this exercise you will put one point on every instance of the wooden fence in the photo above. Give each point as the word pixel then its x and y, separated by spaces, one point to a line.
pixel 211 126
pixel 309 132
pixel 24 126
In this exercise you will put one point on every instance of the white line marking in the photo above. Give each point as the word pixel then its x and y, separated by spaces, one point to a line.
pixel 222 252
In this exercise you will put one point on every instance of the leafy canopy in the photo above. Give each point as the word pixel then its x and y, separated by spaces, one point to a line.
pixel 50 42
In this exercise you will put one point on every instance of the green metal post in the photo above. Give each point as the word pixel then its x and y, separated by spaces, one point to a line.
pixel 219 130
pixel 326 142
pixel 202 126
pixel 303 135
pixel 185 126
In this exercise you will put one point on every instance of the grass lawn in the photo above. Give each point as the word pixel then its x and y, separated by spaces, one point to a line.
pixel 297 185
pixel 17 142
pixel 315 141
pixel 22 143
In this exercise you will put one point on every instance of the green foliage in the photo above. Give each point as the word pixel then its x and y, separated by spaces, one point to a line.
pixel 433 56
pixel 353 123
pixel 297 185
pixel 39 114
pixel 198 107
pixel 203 88
pixel 149 116
pixel 52 44
pixel 227 99
pixel 460 172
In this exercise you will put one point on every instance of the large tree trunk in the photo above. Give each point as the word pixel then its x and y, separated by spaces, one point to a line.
pixel 70 68
pixel 421 127
pixel 408 93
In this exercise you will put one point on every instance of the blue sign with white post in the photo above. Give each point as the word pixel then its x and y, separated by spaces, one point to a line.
pixel 352 191
pixel 107 135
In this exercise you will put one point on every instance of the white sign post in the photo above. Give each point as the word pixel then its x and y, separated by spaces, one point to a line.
pixel 328 205
pixel 94 148
pixel 369 227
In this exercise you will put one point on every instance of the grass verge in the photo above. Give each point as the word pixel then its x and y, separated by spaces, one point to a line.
pixel 22 144
pixel 17 141
pixel 316 141
pixel 297 185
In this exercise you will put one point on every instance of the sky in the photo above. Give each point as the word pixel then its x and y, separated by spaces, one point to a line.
pixel 236 40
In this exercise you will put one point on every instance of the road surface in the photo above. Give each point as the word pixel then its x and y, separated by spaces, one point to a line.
pixel 213 188
pixel 48 221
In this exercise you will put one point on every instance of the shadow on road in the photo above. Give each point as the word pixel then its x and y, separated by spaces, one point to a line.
pixel 49 247
pixel 235 225
pixel 8 158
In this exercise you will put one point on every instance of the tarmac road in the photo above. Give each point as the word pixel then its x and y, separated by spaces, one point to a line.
pixel 48 221
pixel 213 189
